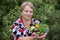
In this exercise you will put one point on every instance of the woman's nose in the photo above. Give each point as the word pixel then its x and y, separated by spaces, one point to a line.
pixel 28 12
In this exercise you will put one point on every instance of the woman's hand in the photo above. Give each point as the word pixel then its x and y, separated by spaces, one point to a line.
pixel 42 37
pixel 26 38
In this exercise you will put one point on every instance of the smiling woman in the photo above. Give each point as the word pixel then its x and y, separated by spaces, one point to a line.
pixel 20 27
pixel 27 10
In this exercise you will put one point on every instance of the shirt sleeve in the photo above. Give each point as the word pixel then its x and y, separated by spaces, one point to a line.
pixel 16 31
pixel 35 21
pixel 14 28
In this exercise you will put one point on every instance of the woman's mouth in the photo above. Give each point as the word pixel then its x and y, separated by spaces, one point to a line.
pixel 28 15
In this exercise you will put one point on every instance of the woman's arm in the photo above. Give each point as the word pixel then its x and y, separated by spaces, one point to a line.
pixel 42 37
pixel 27 38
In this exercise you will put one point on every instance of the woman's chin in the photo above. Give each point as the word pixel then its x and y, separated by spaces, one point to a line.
pixel 28 18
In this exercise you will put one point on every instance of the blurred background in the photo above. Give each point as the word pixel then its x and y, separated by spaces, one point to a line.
pixel 47 11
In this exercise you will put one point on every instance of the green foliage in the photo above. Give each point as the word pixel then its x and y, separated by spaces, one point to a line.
pixel 44 11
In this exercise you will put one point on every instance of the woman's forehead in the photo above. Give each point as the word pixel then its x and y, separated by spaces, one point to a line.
pixel 28 8
pixel 25 4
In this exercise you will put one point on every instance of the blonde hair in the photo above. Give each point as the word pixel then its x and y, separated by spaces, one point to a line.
pixel 25 4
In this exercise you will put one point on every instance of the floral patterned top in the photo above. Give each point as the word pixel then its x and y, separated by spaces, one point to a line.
pixel 19 30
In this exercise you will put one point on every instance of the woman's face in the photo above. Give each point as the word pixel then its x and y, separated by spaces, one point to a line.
pixel 27 12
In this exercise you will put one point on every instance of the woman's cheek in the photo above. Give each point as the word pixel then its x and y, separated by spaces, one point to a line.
pixel 23 14
pixel 32 13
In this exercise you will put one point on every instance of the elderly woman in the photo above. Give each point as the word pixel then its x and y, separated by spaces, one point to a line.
pixel 20 27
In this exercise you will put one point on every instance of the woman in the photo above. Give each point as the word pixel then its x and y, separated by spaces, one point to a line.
pixel 20 26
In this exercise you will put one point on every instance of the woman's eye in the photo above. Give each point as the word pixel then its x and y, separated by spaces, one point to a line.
pixel 31 11
pixel 26 11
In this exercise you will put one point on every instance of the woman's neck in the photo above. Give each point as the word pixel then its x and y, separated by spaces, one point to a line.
pixel 26 22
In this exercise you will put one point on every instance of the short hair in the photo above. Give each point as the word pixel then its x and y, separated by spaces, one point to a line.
pixel 25 4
